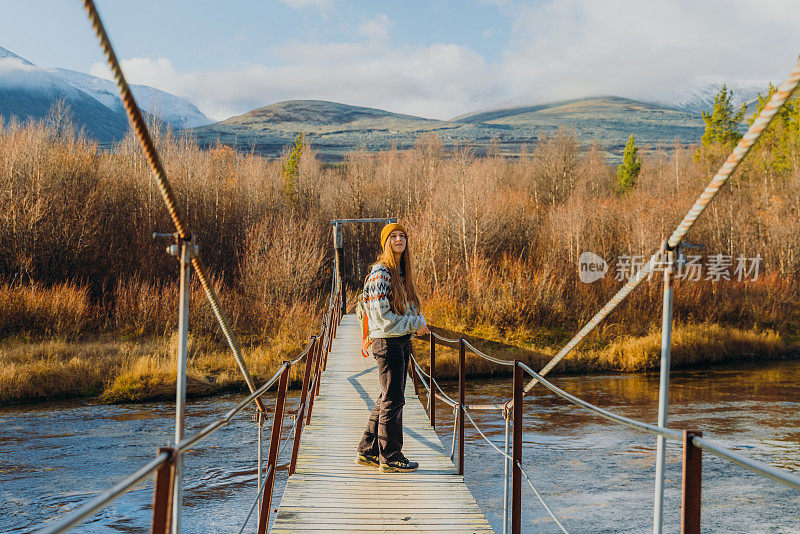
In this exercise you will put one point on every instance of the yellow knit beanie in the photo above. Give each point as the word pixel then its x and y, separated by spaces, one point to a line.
pixel 388 229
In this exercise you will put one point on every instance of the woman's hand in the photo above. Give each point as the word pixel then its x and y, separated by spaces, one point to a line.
pixel 423 330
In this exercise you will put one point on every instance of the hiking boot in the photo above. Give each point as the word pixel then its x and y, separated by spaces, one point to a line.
pixel 367 459
pixel 399 466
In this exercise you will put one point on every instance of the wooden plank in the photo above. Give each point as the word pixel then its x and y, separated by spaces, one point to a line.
pixel 329 492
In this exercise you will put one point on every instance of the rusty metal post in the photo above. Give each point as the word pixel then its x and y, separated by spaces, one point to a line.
pixel 461 383
pixel 431 372
pixel 272 459
pixel 691 485
pixel 162 496
pixel 301 409
pixel 516 454
pixel 319 366
pixel 315 377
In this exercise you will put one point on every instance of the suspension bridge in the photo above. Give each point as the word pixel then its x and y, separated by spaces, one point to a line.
pixel 326 490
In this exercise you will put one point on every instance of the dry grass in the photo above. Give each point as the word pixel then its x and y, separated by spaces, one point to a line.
pixel 495 242
pixel 63 310
pixel 119 370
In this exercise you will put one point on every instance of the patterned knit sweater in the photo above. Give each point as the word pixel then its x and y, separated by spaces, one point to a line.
pixel 383 322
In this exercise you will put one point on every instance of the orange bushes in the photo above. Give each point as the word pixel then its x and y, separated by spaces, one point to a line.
pixel 496 241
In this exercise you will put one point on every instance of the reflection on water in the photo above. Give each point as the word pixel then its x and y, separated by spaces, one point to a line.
pixel 596 476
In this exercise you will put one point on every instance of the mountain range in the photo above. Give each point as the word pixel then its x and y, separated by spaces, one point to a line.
pixel 333 129
pixel 28 91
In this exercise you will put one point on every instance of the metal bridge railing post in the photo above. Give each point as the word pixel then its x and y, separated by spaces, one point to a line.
pixel 260 466
pixel 432 386
pixel 272 459
pixel 663 389
pixel 301 409
pixel 315 390
pixel 162 496
pixel 691 485
pixel 516 471
pixel 505 475
pixel 461 384
pixel 185 251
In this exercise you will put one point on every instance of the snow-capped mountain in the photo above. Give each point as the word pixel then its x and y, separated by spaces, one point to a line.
pixel 698 95
pixel 28 91
pixel 171 109
pixel 9 54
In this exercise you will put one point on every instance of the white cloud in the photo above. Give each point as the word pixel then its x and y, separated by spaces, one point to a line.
pixel 377 28
pixel 571 48
pixel 438 81
pixel 556 49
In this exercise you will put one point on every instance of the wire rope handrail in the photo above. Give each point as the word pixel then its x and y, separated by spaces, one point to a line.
pixel 257 499
pixel 509 458
pixel 485 356
pixel 626 421
pixel 541 500
pixel 443 339
pixel 761 468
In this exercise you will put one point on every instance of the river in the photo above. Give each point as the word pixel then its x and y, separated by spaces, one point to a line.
pixel 596 476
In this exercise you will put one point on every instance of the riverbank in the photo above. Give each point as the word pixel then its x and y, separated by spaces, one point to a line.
pixel 118 370
pixel 114 370
pixel 695 345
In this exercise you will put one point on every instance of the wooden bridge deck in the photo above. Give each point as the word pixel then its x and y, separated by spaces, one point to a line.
pixel 330 493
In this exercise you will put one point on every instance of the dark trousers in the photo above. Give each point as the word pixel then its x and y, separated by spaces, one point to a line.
pixel 384 434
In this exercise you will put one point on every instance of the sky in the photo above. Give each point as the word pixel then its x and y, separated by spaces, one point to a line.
pixel 434 58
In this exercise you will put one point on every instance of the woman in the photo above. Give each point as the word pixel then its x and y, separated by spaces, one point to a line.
pixel 392 308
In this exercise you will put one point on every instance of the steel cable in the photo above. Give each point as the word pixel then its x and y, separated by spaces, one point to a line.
pixel 742 149
pixel 165 188
pixel 549 511
pixel 443 339
pixel 779 475
pixel 258 498
pixel 507 457
pixel 202 434
pixel 632 423
pixel 290 436
pixel 486 356
pixel 441 394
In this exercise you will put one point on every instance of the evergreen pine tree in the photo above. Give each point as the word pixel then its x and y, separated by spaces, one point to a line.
pixel 722 123
pixel 628 171
pixel 291 167
pixel 779 145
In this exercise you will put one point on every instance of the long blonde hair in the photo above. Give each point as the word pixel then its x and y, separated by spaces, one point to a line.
pixel 403 289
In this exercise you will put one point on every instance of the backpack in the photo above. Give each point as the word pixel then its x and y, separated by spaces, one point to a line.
pixel 361 316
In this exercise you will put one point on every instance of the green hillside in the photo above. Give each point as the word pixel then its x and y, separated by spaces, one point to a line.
pixel 334 129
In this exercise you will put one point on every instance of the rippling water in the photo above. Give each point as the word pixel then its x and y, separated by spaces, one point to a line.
pixel 597 477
